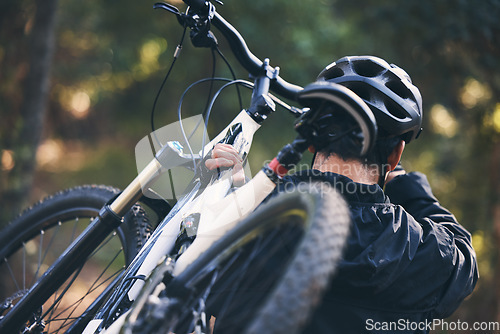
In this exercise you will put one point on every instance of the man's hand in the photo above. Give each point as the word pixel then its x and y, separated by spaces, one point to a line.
pixel 224 155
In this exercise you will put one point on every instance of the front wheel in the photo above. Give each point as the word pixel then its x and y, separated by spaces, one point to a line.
pixel 34 240
pixel 265 276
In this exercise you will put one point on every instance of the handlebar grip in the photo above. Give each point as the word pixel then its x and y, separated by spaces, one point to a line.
pixel 195 4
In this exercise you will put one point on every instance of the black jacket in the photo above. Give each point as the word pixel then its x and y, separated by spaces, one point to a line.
pixel 407 261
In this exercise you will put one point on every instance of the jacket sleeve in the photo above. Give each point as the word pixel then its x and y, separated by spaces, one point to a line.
pixel 413 192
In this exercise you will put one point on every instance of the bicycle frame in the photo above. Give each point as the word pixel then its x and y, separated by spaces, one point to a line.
pixel 213 221
pixel 218 212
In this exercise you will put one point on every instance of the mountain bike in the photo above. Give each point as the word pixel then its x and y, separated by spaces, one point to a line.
pixel 89 260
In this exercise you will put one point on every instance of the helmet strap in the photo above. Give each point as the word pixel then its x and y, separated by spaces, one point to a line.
pixel 314 158
pixel 381 178
pixel 383 169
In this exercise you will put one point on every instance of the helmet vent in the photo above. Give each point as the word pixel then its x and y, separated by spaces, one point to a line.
pixel 334 72
pixel 399 89
pixel 362 90
pixel 367 68
pixel 395 110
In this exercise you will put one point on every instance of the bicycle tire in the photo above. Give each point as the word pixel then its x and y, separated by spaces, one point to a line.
pixel 311 225
pixel 39 235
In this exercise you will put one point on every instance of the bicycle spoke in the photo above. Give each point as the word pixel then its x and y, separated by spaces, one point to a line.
pixel 11 273
pixel 57 298
pixel 54 306
pixel 56 303
pixel 236 277
pixel 75 225
pixel 50 318
pixel 245 279
pixel 104 243
pixel 49 246
pixel 39 264
pixel 92 288
pixel 77 303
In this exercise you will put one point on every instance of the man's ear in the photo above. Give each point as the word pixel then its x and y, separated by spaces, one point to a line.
pixel 395 156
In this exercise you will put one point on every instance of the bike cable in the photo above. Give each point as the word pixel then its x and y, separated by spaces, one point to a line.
pixel 232 74
pixel 209 107
pixel 214 65
pixel 176 56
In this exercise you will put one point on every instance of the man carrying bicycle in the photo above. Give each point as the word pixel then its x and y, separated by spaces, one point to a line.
pixel 407 259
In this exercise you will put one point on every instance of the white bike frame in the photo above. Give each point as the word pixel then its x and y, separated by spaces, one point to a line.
pixel 219 211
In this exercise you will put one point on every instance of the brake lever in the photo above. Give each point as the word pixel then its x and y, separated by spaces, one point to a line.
pixel 168 7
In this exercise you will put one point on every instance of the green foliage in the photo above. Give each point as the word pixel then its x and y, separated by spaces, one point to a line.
pixel 111 59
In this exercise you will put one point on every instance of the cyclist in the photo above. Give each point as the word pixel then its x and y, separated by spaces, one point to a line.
pixel 407 259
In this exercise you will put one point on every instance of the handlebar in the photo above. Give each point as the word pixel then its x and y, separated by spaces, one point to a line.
pixel 248 60
pixel 200 11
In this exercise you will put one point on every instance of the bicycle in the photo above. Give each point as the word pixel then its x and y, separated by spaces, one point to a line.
pixel 208 247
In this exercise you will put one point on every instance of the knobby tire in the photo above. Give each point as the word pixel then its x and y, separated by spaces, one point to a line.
pixel 36 238
pixel 266 275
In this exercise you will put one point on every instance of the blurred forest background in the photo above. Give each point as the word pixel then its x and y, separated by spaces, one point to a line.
pixel 78 80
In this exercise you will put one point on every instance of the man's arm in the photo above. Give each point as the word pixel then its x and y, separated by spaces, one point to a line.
pixel 413 192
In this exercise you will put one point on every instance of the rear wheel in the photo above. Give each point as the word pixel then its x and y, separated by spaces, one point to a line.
pixel 264 276
pixel 34 240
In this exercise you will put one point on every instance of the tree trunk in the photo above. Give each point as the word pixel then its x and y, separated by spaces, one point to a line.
pixel 32 111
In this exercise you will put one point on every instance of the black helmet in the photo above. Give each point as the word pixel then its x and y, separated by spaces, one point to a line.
pixel 318 124
pixel 386 89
